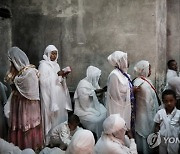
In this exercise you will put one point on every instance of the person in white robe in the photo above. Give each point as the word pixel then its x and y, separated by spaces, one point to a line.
pixel 171 71
pixel 62 134
pixel 174 84
pixel 9 148
pixel 87 106
pixel 118 100
pixel 113 140
pixel 55 98
pixel 168 124
pixel 82 143
pixel 146 105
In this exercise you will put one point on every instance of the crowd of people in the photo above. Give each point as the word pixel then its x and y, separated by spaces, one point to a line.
pixel 40 118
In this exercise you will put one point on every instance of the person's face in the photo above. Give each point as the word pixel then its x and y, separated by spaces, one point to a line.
pixel 173 66
pixel 149 70
pixel 72 126
pixel 169 102
pixel 53 55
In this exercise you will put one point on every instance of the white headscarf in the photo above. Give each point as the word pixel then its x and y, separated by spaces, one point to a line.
pixel 142 68
pixel 115 127
pixel 27 80
pixel 48 51
pixel 119 59
pixel 18 58
pixel 82 143
pixel 93 75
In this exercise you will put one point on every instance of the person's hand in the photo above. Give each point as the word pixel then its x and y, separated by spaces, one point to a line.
pixel 129 134
pixel 60 73
pixel 105 88
pixel 136 89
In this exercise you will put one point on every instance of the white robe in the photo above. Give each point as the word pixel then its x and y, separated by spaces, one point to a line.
pixel 170 74
pixel 55 97
pixel 146 108
pixel 169 127
pixel 118 96
pixel 106 145
pixel 88 108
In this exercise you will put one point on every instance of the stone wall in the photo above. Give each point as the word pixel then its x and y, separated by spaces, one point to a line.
pixel 87 31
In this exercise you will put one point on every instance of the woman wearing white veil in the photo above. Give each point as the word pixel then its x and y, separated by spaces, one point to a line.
pixel 55 98
pixel 119 87
pixel 23 106
pixel 146 105
pixel 87 106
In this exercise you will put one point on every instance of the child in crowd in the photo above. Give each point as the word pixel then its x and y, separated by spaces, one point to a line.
pixel 61 135
pixel 167 122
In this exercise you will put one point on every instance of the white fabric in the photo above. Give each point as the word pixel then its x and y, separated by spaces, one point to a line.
pixel 82 143
pixel 174 84
pixel 118 89
pixel 146 106
pixel 170 74
pixel 142 68
pixel 119 59
pixel 62 135
pixel 146 101
pixel 87 106
pixel 27 80
pixel 9 148
pixel 28 151
pixel 55 150
pixel 169 127
pixel 112 140
pixel 55 96
pixel 7 106
pixel 93 74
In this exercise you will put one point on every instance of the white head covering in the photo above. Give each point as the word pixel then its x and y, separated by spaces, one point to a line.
pixel 27 80
pixel 48 51
pixel 82 143
pixel 119 59
pixel 115 127
pixel 18 58
pixel 142 68
pixel 93 75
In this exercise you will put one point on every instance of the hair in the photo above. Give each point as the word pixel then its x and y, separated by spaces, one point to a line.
pixel 169 62
pixel 74 119
pixel 168 92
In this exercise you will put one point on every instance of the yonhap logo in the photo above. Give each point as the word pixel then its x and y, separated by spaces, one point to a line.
pixel 154 140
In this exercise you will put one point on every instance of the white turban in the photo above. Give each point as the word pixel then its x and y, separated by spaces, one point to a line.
pixel 115 127
pixel 142 68
pixel 113 123
pixel 82 143
pixel 93 74
pixel 47 52
pixel 119 59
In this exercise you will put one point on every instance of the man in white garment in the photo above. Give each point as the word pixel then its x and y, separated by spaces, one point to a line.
pixel 146 105
pixel 174 84
pixel 118 99
pixel 61 135
pixel 55 96
pixel 112 140
pixel 87 107
pixel 171 71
